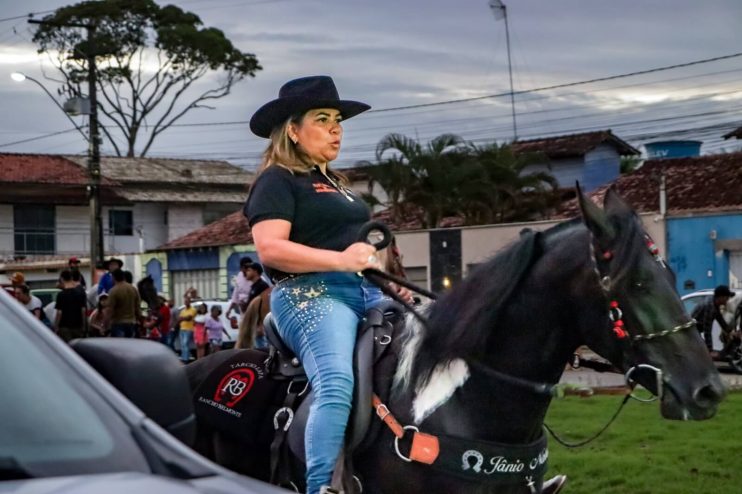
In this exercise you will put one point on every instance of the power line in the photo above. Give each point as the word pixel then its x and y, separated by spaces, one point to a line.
pixel 26 16
pixel 559 86
pixel 22 141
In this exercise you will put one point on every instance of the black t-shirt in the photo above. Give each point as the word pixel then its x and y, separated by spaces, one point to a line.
pixel 71 301
pixel 256 289
pixel 322 213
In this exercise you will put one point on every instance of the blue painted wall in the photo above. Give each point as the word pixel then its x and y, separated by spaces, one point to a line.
pixel 602 165
pixel 186 260
pixel 599 166
pixel 692 251
pixel 154 269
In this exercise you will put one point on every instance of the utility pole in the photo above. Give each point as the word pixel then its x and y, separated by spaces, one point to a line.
pixel 500 11
pixel 93 188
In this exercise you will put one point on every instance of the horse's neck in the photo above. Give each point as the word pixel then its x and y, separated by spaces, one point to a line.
pixel 531 343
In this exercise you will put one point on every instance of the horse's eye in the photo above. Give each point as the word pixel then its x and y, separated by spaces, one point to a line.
pixel 642 284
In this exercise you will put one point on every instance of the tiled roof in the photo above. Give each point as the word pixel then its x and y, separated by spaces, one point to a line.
pixel 154 170
pixel 44 169
pixel 183 195
pixel 230 230
pixel 699 184
pixel 234 230
pixel 566 146
pixel 736 133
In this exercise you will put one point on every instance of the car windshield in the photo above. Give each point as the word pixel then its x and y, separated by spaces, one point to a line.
pixel 51 421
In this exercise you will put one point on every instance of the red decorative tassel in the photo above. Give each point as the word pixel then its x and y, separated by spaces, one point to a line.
pixel 614 304
pixel 608 255
pixel 620 333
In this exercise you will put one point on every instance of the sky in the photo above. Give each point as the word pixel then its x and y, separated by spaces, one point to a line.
pixel 408 53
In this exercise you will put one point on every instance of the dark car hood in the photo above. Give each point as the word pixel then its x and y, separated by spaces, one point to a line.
pixel 127 483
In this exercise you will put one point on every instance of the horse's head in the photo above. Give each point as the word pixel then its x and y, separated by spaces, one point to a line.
pixel 646 326
pixel 148 291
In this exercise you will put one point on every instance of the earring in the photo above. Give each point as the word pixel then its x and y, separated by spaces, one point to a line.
pixel 294 140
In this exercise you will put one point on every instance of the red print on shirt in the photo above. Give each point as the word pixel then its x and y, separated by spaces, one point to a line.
pixel 320 187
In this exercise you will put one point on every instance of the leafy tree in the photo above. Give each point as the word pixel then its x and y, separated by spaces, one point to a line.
pixel 450 177
pixel 629 164
pixel 514 193
pixel 129 34
pixel 425 176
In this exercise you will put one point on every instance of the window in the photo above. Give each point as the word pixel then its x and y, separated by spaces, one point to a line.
pixel 121 222
pixel 83 436
pixel 34 229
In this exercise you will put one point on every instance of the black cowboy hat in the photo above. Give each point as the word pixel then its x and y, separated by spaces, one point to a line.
pixel 299 96
pixel 723 291
pixel 118 261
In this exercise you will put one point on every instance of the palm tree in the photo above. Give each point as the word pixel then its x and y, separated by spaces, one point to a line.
pixel 423 176
pixel 515 194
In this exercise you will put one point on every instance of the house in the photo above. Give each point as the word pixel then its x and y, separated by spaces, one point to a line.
pixel 701 207
pixel 592 158
pixel 145 202
pixel 207 258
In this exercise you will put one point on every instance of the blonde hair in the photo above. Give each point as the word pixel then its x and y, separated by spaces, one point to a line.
pixel 282 151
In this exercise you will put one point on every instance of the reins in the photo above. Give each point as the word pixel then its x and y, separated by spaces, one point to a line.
pixel 558 390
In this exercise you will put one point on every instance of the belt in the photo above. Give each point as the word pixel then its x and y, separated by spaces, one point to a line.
pixel 281 277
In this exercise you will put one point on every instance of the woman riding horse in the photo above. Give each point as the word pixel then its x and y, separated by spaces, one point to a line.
pixel 473 384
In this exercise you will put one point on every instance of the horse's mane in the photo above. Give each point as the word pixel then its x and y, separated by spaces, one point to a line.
pixel 460 323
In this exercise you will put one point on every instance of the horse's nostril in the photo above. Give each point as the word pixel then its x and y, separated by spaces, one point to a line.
pixel 710 394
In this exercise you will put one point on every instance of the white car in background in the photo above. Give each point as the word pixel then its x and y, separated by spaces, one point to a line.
pixel 692 300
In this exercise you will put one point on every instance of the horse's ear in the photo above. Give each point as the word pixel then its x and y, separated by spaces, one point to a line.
pixel 595 219
pixel 615 205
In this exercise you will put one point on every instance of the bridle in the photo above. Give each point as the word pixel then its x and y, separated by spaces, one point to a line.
pixel 615 314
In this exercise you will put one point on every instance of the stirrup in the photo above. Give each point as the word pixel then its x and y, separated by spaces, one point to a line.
pixel 554 484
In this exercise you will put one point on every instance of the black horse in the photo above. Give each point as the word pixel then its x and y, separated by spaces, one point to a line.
pixel 471 375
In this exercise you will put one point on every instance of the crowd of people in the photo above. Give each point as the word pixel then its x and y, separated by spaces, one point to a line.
pixel 118 311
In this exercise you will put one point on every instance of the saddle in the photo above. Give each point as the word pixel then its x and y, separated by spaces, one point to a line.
pixel 375 334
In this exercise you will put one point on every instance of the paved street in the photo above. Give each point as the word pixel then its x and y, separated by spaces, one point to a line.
pixel 592 379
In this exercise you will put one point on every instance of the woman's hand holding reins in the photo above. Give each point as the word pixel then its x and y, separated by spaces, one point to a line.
pixel 359 256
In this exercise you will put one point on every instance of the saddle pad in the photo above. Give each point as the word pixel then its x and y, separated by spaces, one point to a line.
pixel 238 394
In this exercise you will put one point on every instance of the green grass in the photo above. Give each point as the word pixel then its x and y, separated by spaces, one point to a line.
pixel 641 453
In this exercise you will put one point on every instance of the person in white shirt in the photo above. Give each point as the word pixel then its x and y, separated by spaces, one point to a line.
pixel 241 292
pixel 32 303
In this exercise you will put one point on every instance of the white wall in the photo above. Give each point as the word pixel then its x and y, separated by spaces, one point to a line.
pixel 151 218
pixel 73 229
pixel 478 243
pixel 183 219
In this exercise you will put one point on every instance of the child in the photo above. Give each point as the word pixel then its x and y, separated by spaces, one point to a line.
pixel 199 330
pixel 215 328
pixel 96 322
pixel 151 322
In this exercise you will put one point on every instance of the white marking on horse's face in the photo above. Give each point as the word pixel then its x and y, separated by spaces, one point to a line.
pixel 446 378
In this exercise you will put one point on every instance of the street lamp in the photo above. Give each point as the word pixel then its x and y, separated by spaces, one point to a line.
pixel 20 77
pixel 96 228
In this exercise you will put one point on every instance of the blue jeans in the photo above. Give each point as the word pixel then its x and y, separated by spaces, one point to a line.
pixel 123 330
pixel 317 316
pixel 261 341
pixel 186 338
